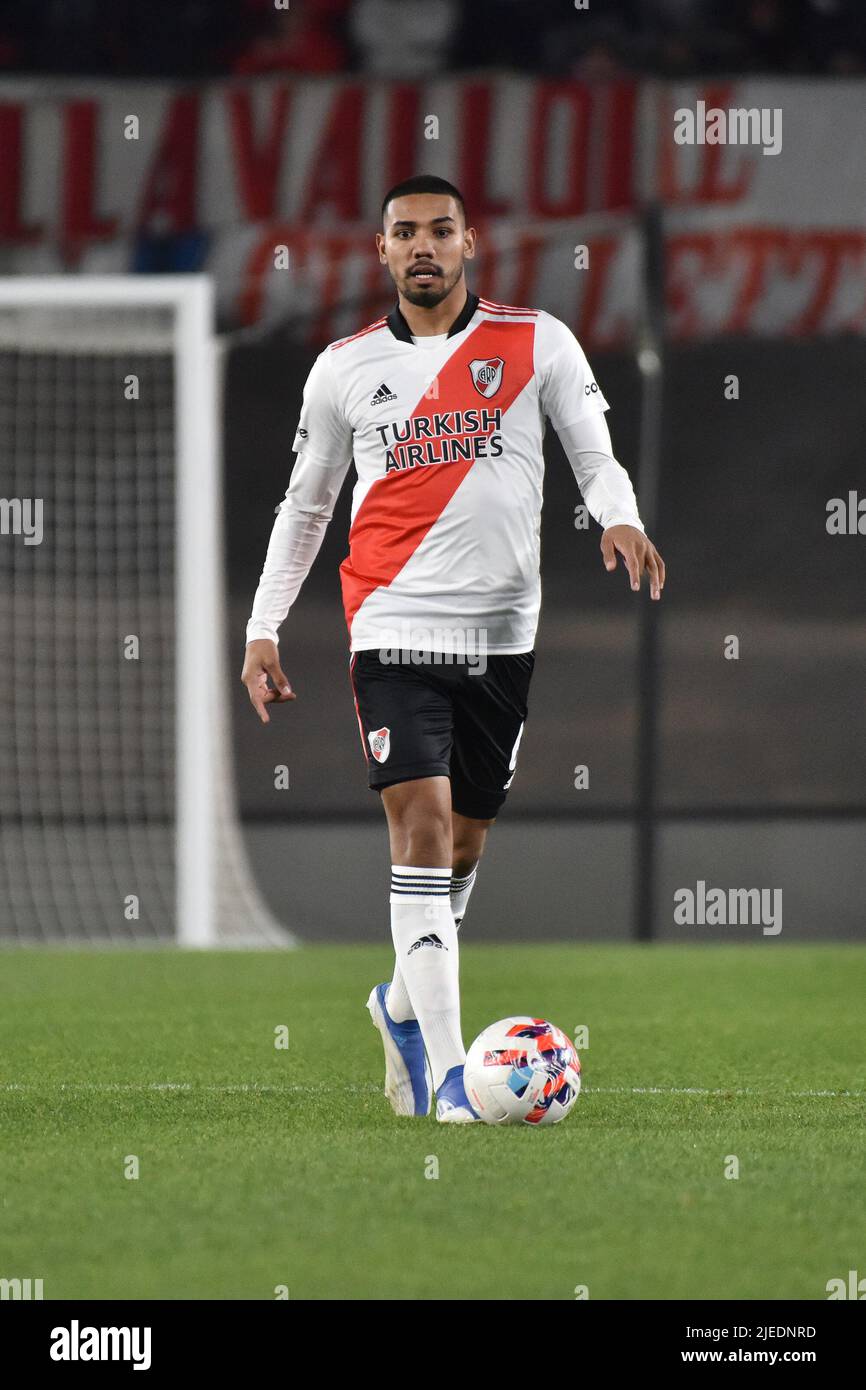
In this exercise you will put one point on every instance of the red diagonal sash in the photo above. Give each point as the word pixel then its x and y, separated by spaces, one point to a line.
pixel 400 508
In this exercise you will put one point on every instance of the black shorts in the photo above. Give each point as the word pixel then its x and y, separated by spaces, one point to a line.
pixel 441 718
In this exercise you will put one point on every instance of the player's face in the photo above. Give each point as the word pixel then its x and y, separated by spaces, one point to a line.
pixel 424 246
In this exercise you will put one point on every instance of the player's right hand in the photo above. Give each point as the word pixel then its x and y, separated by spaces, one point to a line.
pixel 262 661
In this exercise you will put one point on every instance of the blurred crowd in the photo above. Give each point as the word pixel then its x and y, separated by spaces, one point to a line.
pixel 414 38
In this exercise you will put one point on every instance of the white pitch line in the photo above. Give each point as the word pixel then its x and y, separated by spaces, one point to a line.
pixel 719 1091
pixel 107 1087
pixel 110 1087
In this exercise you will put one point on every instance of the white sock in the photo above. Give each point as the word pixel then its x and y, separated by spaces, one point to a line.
pixel 425 943
pixel 460 890
pixel 397 1000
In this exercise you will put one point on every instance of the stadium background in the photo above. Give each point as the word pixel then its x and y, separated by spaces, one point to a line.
pixel 262 128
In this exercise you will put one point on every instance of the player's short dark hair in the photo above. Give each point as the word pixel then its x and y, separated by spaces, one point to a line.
pixel 424 183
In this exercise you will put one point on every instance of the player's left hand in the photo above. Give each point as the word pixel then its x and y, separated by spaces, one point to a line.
pixel 638 553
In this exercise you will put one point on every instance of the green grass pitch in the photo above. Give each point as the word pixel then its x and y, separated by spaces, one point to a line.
pixel 262 1167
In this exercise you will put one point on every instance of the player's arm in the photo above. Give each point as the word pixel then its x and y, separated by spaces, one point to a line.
pixel 571 398
pixel 323 444
pixel 607 491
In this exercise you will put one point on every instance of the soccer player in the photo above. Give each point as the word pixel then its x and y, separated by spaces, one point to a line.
pixel 442 406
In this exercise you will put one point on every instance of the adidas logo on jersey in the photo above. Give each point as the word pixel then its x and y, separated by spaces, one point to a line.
pixel 431 940
pixel 383 395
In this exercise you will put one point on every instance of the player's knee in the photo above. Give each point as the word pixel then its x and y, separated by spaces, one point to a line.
pixel 422 834
pixel 428 841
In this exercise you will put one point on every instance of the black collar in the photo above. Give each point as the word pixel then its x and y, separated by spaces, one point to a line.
pixel 400 328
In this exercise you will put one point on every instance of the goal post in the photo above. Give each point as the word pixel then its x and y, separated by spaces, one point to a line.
pixel 117 793
pixel 198 578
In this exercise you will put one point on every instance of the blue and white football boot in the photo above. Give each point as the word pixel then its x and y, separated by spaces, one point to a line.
pixel 408 1083
pixel 452 1102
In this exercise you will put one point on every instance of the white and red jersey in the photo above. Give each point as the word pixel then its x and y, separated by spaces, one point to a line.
pixel 446 435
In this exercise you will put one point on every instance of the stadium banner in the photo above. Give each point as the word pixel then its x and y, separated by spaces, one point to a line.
pixel 763 206
pixel 275 187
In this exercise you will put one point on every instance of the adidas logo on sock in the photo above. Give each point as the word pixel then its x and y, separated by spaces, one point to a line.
pixel 431 940
pixel 383 395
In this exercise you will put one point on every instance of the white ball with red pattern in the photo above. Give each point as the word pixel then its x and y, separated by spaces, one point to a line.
pixel 522 1070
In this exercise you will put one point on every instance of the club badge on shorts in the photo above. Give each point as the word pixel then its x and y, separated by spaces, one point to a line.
pixel 380 744
pixel 487 374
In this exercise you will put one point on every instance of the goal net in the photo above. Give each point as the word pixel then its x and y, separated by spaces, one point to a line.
pixel 117 811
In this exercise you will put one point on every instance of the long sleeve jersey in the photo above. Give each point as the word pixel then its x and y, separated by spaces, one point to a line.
pixel 446 434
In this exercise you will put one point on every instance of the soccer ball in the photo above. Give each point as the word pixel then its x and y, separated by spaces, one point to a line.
pixel 522 1071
